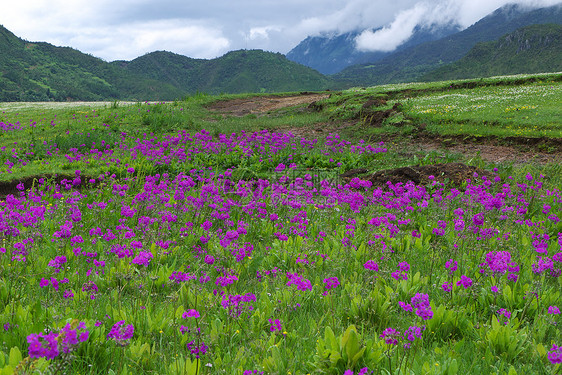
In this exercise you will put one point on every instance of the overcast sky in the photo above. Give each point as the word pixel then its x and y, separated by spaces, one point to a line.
pixel 126 29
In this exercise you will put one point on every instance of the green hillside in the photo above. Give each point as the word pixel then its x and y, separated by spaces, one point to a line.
pixel 240 71
pixel 531 49
pixel 43 72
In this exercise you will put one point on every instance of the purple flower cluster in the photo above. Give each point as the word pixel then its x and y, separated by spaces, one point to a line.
pixel 191 313
pixel 555 354
pixel 413 333
pixel 420 302
pixel 544 264
pixel 505 313
pixel 57 263
pixel 178 276
pixel 43 345
pixel 391 336
pixel 275 325
pixel 401 272
pixel 143 258
pixel 465 281
pixel 451 265
pixel 363 371
pixel 237 304
pixel 49 345
pixel 371 265
pixel 300 282
pixel 497 262
pixel 226 280
pixel 447 286
pixel 121 333
pixel 331 282
pixel 553 310
pixel 197 350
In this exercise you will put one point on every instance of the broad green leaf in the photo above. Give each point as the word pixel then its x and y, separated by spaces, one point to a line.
pixel 352 345
pixel 453 367
pixel 331 339
pixel 357 356
pixel 15 356
pixel 541 350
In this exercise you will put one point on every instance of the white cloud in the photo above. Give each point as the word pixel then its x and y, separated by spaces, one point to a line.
pixel 177 36
pixel 125 29
pixel 262 32
pixel 430 13
pixel 390 37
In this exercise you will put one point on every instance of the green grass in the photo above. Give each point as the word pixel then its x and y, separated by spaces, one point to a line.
pixel 321 333
pixel 527 111
pixel 328 229
pixel 507 106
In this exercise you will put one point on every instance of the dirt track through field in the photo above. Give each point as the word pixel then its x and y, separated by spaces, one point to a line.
pixel 263 104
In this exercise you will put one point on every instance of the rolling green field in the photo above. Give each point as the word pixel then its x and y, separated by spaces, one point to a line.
pixel 528 110
pixel 511 106
pixel 174 238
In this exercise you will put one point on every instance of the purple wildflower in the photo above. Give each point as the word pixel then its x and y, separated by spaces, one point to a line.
pixel 554 310
pixel 121 333
pixel 43 345
pixel 390 336
pixel 465 281
pixel 191 313
pixel 275 325
pixel 555 354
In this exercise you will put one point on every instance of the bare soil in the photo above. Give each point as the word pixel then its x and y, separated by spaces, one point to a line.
pixel 263 104
pixel 454 174
pixel 490 151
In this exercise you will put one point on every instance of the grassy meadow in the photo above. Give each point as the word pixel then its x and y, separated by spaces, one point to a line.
pixel 166 238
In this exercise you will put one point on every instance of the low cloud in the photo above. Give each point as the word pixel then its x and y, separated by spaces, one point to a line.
pixel 430 14
pixel 263 32
pixel 390 37
pixel 126 29
pixel 129 41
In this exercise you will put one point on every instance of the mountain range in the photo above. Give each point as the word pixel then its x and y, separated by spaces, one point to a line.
pixel 513 39
pixel 235 72
pixel 39 71
pixel 530 49
pixel 329 54
pixel 42 72
pixel 412 63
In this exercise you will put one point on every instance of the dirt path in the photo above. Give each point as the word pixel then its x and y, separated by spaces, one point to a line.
pixel 263 104
pixel 490 152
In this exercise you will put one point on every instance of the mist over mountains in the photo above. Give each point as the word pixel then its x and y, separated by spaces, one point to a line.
pixel 330 54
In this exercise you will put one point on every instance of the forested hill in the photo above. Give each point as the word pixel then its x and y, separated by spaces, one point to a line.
pixel 236 72
pixel 531 49
pixel 38 71
pixel 42 72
